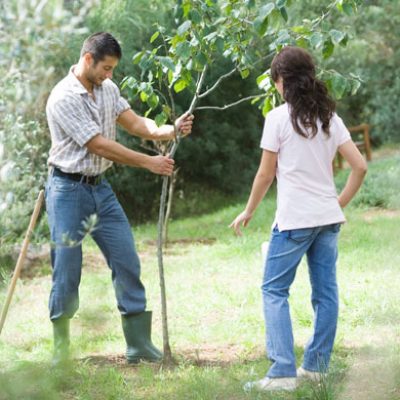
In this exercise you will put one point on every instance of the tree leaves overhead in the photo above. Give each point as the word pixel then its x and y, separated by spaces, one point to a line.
pixel 242 33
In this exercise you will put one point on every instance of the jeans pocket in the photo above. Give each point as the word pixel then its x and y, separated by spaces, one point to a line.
pixel 300 235
pixel 63 185
pixel 335 228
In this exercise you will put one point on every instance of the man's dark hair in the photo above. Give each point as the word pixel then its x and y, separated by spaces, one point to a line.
pixel 100 45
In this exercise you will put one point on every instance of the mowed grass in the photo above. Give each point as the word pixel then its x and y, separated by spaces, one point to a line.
pixel 215 317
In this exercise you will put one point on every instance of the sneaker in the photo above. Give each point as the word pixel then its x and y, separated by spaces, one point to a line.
pixel 310 375
pixel 270 384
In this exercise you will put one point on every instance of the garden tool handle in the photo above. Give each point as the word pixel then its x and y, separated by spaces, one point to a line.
pixel 21 257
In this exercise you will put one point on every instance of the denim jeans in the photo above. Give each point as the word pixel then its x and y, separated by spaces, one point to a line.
pixel 285 252
pixel 69 203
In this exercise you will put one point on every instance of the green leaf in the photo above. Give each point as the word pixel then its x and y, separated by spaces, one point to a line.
pixel 153 101
pixel 244 73
pixel 143 97
pixel 284 13
pixel 161 119
pixel 137 57
pixel 187 8
pixel 183 50
pixel 266 10
pixel 338 84
pixel 170 77
pixel 184 27
pixel 167 110
pixel 281 3
pixel 267 106
pixel 348 9
pixel 336 36
pixel 250 3
pixel 304 30
pixel 154 36
pixel 211 36
pixel 195 16
pixel 131 82
pixel 261 78
pixel 260 24
pixel 219 43
pixel 200 61
pixel 283 39
pixel 316 40
pixel 180 85
pixel 344 41
pixel 167 63
pixel 328 48
pixel 302 42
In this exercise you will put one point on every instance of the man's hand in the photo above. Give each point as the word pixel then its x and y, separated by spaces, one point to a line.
pixel 184 124
pixel 161 165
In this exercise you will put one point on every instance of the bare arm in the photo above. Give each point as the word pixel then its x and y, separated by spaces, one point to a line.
pixel 262 181
pixel 358 166
pixel 147 129
pixel 118 153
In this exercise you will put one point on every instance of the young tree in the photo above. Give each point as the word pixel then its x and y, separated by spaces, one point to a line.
pixel 241 33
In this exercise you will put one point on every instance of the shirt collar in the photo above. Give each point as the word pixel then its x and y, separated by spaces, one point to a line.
pixel 75 85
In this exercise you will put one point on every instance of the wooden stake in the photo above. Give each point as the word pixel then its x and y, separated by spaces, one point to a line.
pixel 21 258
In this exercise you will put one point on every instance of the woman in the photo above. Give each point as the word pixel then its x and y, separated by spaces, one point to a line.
pixel 299 143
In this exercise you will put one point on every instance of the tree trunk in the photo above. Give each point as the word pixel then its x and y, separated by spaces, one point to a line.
pixel 171 190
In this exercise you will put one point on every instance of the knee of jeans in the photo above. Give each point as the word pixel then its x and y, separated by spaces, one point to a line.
pixel 269 290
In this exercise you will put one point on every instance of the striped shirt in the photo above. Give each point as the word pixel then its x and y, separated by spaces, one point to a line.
pixel 75 117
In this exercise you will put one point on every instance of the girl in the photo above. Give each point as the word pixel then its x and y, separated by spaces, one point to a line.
pixel 299 143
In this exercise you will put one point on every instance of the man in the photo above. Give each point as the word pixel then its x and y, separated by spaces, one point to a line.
pixel 82 112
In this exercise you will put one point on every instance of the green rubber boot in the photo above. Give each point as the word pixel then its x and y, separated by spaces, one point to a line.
pixel 137 332
pixel 61 341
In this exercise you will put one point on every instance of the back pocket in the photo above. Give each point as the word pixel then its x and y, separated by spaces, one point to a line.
pixel 300 235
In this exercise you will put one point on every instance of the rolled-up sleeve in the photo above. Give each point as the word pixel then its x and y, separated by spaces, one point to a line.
pixel 74 120
pixel 121 106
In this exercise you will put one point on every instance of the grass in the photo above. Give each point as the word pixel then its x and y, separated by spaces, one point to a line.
pixel 215 317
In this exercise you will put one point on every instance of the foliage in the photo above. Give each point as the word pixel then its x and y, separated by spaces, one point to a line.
pixel 235 41
pixel 41 39
pixel 208 31
pixel 31 45
pixel 381 187
pixel 373 54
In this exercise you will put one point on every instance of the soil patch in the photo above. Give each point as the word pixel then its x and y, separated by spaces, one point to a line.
pixel 374 213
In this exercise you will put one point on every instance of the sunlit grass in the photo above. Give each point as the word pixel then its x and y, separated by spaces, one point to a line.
pixel 215 316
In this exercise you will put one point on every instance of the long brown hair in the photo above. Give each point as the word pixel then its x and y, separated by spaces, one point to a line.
pixel 307 96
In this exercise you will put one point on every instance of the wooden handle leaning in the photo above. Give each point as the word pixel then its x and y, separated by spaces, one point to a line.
pixel 21 257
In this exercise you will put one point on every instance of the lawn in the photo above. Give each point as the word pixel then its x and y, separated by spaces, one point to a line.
pixel 215 316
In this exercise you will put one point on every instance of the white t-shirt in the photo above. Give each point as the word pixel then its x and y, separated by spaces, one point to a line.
pixel 307 194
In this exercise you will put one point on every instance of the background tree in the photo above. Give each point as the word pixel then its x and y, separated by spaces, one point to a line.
pixel 32 37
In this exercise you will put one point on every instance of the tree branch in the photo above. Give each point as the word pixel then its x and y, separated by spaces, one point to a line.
pixel 190 110
pixel 216 84
pixel 226 106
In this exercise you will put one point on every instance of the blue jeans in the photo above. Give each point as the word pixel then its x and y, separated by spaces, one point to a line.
pixel 285 252
pixel 69 203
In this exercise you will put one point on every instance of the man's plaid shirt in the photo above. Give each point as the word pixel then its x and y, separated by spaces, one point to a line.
pixel 75 117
